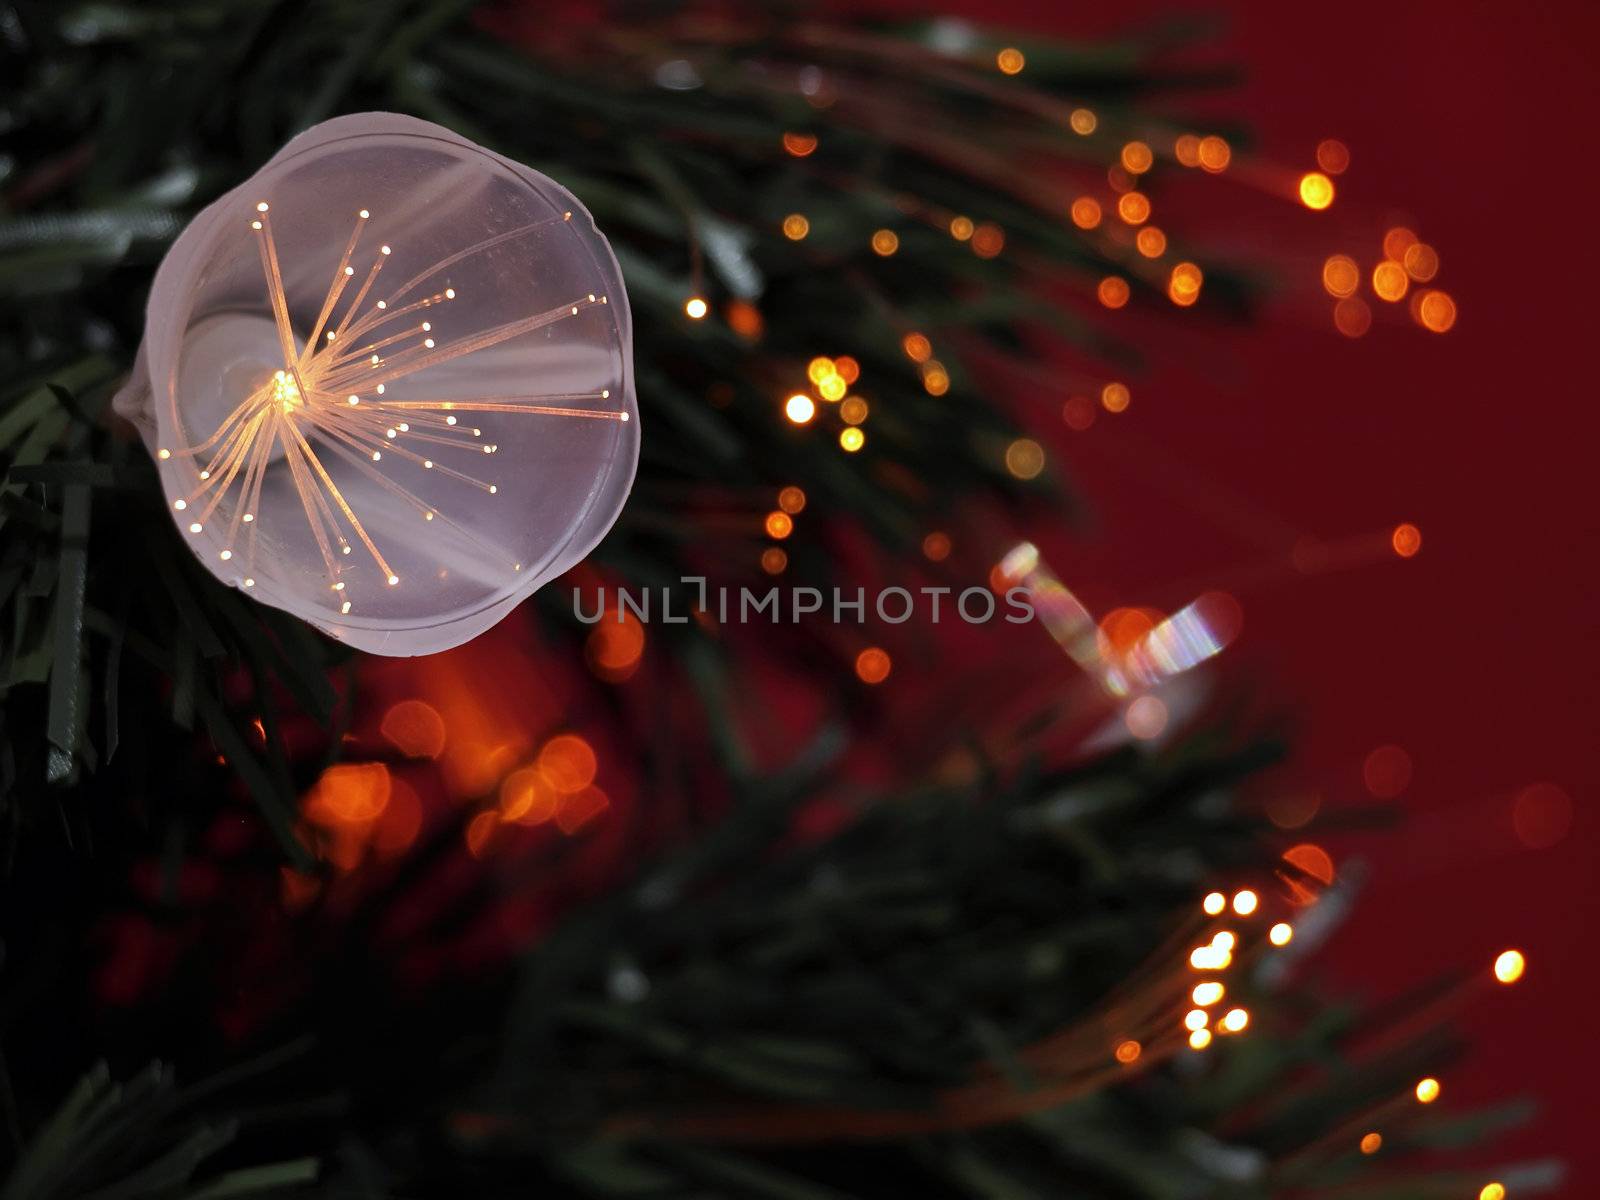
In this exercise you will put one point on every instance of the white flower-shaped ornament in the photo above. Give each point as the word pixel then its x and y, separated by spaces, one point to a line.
pixel 388 383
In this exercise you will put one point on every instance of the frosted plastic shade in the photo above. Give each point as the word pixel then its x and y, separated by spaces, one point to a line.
pixel 388 383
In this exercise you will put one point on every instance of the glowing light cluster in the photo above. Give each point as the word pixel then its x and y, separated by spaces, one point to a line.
pixel 1407 262
pixel 1216 956
pixel 832 378
pixel 556 788
pixel 1205 1016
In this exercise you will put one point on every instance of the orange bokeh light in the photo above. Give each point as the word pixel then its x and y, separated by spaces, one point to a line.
pixel 1113 291
pixel 615 645
pixel 1186 149
pixel 1436 310
pixel 535 803
pixel 847 368
pixel 1390 281
pixel 1340 275
pixel 872 665
pixel 1316 190
pixel 936 546
pixel 1128 1051
pixel 1137 158
pixel 799 144
pixel 1406 540
pixel 1509 966
pixel 1123 628
pixel 1115 397
pixel 526 798
pixel 779 525
pixel 415 728
pixel 774 560
pixel 1397 241
pixel 744 319
pixel 1352 316
pixel 988 240
pixel 1078 412
pixel 567 763
pixel 1215 154
pixel 1333 156
pixel 1183 287
pixel 1025 458
pixel 791 499
pixel 1421 261
pixel 1134 208
pixel 1086 212
pixel 917 347
pixel 1151 241
pixel 349 794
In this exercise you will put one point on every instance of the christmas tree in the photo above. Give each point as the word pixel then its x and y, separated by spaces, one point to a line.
pixel 809 908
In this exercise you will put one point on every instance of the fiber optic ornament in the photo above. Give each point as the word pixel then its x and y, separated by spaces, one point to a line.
pixel 388 383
